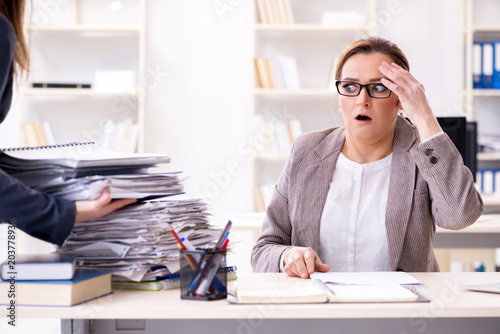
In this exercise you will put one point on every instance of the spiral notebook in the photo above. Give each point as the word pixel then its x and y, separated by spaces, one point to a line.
pixel 75 155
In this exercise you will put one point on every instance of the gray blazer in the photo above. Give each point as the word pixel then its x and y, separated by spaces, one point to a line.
pixel 429 186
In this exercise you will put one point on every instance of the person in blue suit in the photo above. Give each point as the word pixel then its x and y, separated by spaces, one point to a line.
pixel 42 216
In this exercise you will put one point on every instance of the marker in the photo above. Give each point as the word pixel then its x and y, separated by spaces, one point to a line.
pixel 190 259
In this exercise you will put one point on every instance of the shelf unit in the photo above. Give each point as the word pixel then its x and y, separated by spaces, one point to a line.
pixel 314 47
pixel 480 23
pixel 68 44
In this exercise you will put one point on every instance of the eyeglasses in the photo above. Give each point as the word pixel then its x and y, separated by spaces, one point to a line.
pixel 375 90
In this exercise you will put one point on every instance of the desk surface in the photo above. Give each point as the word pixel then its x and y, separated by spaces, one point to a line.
pixel 447 301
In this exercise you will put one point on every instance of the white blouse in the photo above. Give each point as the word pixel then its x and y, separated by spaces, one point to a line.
pixel 352 229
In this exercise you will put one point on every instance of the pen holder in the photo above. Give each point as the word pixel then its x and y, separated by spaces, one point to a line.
pixel 202 276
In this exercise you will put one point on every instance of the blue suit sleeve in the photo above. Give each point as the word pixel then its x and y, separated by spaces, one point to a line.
pixel 42 216
pixel 7 48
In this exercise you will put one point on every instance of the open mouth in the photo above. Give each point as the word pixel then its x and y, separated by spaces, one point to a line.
pixel 363 118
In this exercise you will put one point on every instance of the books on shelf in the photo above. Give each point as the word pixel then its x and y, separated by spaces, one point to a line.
pixel 84 286
pixel 486 64
pixel 120 135
pixel 275 136
pixel 37 134
pixel 488 181
pixel 275 12
pixel 262 196
pixel 277 72
pixel 39 267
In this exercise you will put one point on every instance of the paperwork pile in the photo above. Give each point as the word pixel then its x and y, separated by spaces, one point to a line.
pixel 80 171
pixel 133 241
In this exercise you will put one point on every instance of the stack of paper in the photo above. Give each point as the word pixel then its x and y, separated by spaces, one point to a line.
pixel 139 185
pixel 128 242
pixel 132 240
pixel 80 171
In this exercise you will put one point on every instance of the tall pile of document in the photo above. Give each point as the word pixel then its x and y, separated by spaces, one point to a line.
pixel 130 242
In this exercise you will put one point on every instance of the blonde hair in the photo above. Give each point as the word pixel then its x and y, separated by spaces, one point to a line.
pixel 368 45
pixel 14 10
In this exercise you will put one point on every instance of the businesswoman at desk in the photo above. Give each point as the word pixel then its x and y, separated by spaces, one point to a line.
pixel 42 216
pixel 367 196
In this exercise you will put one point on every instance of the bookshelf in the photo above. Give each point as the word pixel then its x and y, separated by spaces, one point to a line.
pixel 310 35
pixel 480 104
pixel 93 42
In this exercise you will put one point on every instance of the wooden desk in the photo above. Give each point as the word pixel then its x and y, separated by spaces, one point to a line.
pixel 451 310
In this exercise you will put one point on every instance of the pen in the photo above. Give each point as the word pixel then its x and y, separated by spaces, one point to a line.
pixel 216 283
pixel 190 259
pixel 213 266
pixel 203 271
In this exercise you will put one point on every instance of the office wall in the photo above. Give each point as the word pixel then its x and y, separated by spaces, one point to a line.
pixel 198 112
pixel 199 68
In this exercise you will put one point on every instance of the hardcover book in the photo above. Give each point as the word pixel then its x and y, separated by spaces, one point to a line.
pixel 39 267
pixel 85 285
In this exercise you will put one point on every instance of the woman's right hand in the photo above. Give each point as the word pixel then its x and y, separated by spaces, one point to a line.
pixel 302 262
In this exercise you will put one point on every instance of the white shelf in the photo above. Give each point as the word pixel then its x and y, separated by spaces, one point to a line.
pixel 85 28
pixel 303 28
pixel 293 92
pixel 275 157
pixel 494 156
pixel 486 92
pixel 307 44
pixel 490 199
pixel 76 92
pixel 60 61
pixel 495 29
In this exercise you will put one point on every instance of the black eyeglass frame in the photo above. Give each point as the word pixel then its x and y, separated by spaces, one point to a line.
pixel 361 86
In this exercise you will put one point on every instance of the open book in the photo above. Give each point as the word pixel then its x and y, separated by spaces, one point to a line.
pixel 315 291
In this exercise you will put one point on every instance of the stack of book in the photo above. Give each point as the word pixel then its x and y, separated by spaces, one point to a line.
pixel 130 241
pixel 277 72
pixel 275 135
pixel 275 12
pixel 50 280
pixel 37 134
pixel 485 64
pixel 120 135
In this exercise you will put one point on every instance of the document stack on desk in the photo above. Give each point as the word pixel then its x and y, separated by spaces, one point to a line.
pixel 132 240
